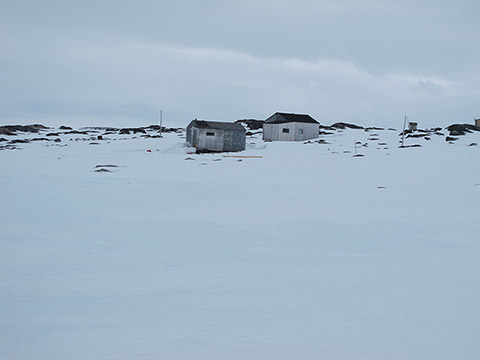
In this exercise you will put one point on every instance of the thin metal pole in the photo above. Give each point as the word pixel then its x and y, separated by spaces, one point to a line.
pixel 403 131
pixel 161 120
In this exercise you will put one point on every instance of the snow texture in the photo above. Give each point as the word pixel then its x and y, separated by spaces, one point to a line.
pixel 306 253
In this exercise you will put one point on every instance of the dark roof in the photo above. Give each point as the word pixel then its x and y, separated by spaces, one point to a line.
pixel 281 118
pixel 217 125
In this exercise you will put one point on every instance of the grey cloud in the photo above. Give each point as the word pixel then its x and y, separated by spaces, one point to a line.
pixel 339 60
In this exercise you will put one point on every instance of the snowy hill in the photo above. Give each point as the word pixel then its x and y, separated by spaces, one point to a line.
pixel 125 245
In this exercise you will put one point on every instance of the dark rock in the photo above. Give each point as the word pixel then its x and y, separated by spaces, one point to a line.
pixel 3 139
pixel 108 129
pixel 450 138
pixel 410 146
pixel 13 129
pixel 325 133
pixel 326 128
pixel 358 155
pixel 103 170
pixel 473 144
pixel 9 147
pixel 342 125
pixel 127 131
pixel 416 135
pixel 57 140
pixel 458 132
pixel 65 128
pixel 53 134
pixel 461 129
pixel 19 141
pixel 374 128
pixel 252 124
pixel 40 139
pixel 104 166
pixel 77 132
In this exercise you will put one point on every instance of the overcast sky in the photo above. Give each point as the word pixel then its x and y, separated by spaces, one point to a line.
pixel 117 63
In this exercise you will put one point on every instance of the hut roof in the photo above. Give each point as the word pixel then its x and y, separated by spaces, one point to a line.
pixel 281 118
pixel 217 125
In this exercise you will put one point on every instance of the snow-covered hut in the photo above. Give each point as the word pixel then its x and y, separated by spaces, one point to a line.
pixel 216 136
pixel 477 123
pixel 290 127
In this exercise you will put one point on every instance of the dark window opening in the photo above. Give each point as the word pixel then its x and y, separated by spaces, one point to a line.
pixel 300 131
pixel 209 133
pixel 285 131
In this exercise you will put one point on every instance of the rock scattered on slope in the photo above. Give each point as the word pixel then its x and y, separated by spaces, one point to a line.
pixel 461 129
pixel 342 125
pixel 13 129
pixel 451 138
pixel 251 124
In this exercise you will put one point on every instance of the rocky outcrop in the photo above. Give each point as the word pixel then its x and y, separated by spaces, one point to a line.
pixel 342 125
pixel 461 129
pixel 14 129
pixel 252 124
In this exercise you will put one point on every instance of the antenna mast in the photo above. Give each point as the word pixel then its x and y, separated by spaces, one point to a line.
pixel 403 131
pixel 161 120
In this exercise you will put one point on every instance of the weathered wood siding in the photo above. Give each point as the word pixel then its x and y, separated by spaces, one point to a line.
pixel 221 140
pixel 234 140
pixel 296 131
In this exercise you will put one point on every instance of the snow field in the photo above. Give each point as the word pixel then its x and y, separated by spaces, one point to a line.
pixel 305 253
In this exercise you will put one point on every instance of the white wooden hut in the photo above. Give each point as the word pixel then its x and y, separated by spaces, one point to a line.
pixel 290 127
pixel 216 136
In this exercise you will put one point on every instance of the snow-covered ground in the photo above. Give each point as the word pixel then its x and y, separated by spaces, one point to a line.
pixel 305 253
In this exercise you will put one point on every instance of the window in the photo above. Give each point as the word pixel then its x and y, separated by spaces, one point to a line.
pixel 285 131
pixel 300 131
pixel 210 133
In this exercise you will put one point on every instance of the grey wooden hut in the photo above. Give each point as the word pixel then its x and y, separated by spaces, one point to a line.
pixel 290 127
pixel 216 136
